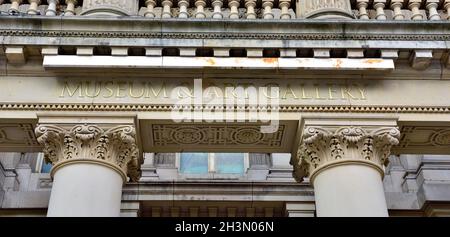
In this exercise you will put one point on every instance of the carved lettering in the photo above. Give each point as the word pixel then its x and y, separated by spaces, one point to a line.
pixel 135 89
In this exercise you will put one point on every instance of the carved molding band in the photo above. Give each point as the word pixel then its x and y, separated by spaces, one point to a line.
pixel 323 147
pixel 115 147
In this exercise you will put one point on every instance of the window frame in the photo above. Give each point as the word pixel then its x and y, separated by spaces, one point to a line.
pixel 211 165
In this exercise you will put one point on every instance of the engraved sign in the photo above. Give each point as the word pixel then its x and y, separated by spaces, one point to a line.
pixel 159 90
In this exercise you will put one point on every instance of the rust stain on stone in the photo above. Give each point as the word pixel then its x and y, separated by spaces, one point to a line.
pixel 270 60
pixel 373 61
pixel 211 62
pixel 338 63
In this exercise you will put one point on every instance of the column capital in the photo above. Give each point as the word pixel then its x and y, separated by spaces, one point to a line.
pixel 111 145
pixel 328 146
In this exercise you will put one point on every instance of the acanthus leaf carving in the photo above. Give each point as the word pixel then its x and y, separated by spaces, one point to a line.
pixel 116 146
pixel 324 145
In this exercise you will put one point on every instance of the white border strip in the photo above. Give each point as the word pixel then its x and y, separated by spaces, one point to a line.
pixel 75 61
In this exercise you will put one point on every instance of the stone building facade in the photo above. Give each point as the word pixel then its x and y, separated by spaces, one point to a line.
pixel 225 108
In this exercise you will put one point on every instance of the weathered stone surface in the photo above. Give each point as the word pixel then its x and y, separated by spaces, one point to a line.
pixel 110 7
pixel 324 9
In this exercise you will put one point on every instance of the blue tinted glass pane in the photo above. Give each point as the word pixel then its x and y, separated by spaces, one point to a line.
pixel 194 163
pixel 229 163
pixel 46 167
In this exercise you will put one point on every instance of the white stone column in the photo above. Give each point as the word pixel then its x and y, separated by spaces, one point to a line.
pixel 90 165
pixel 345 166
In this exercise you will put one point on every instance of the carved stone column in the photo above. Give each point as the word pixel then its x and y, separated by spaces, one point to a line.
pixel 345 166
pixel 110 7
pixel 324 9
pixel 90 164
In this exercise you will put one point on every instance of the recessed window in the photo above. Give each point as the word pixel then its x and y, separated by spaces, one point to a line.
pixel 238 53
pixel 219 163
pixel 171 52
pixel 46 167
pixel 194 163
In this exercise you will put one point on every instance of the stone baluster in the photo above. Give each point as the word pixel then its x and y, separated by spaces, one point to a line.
pixel 150 13
pixel 414 7
pixel 33 8
pixel 15 5
pixel 447 8
pixel 433 14
pixel 183 5
pixel 200 12
pixel 379 7
pixel 396 6
pixel 51 10
pixel 166 4
pixel 70 10
pixel 362 7
pixel 267 5
pixel 217 5
pixel 233 5
pixel 250 5
pixel 284 6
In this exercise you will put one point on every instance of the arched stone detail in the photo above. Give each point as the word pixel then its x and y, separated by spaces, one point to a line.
pixel 110 7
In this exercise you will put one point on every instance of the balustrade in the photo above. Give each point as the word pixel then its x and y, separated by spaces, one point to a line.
pixel 421 10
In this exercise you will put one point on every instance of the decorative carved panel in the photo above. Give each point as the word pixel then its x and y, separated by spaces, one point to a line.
pixel 17 137
pixel 323 9
pixel 168 136
pixel 424 140
pixel 110 7
pixel 235 135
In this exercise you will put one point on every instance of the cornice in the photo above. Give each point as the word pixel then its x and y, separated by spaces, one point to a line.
pixel 298 29
pixel 168 108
